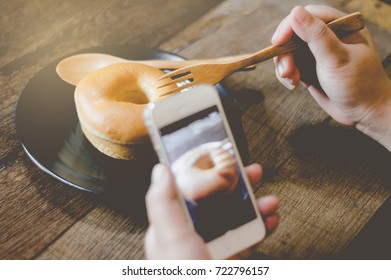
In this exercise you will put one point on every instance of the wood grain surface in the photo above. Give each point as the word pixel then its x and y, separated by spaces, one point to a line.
pixel 331 179
pixel 310 163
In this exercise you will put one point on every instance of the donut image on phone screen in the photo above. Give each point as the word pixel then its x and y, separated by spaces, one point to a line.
pixel 205 168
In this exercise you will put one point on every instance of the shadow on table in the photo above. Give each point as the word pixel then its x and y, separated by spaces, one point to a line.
pixel 373 242
pixel 342 149
pixel 347 150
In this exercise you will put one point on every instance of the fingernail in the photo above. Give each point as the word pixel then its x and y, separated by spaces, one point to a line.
pixel 281 68
pixel 288 83
pixel 275 36
pixel 159 174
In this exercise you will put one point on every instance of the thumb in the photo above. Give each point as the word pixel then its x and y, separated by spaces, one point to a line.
pixel 165 212
pixel 323 43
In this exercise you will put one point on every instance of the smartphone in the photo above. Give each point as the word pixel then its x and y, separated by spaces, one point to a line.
pixel 191 134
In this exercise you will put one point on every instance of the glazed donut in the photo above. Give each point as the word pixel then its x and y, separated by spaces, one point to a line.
pixel 110 103
pixel 206 169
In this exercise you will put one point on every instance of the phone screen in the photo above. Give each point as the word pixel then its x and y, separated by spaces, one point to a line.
pixel 205 167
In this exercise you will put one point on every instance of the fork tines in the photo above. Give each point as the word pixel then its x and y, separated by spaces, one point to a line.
pixel 181 79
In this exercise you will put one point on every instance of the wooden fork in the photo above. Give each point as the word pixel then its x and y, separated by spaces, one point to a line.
pixel 212 73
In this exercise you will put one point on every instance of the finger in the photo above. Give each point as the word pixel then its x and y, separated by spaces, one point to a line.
pixel 325 13
pixel 254 173
pixel 272 222
pixel 226 164
pixel 285 65
pixel 328 14
pixel 288 81
pixel 165 212
pixel 283 32
pixel 321 98
pixel 325 103
pixel 268 205
pixel 323 43
pixel 220 156
pixel 149 242
pixel 295 77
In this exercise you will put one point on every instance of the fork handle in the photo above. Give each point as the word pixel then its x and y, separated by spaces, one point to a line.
pixel 342 27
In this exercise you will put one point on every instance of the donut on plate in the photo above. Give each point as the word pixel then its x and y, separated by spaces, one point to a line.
pixel 110 103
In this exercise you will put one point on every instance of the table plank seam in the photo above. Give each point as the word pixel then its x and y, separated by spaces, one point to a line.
pixel 44 248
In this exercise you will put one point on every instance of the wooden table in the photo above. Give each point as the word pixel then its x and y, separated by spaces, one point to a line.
pixel 333 182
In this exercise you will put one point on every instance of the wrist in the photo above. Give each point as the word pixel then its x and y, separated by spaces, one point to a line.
pixel 377 122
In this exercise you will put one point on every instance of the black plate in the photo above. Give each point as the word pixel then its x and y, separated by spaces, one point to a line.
pixel 48 128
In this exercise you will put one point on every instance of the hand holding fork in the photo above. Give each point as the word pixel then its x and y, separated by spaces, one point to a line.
pixel 212 73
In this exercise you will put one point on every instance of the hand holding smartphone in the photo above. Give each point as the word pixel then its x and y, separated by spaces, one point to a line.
pixel 190 133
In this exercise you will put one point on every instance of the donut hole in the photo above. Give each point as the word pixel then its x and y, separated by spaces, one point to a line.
pixel 136 96
pixel 204 162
